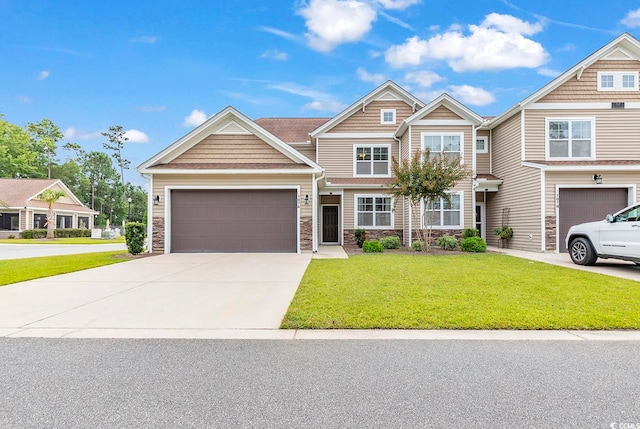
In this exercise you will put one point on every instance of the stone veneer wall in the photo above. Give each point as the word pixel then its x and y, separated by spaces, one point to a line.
pixel 437 233
pixel 372 234
pixel 306 233
pixel 550 232
pixel 158 234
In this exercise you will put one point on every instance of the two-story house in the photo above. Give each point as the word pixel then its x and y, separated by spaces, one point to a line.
pixel 568 153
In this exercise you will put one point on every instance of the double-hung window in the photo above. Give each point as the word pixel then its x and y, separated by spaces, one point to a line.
pixel 444 214
pixel 373 211
pixel 372 160
pixel 449 145
pixel 570 138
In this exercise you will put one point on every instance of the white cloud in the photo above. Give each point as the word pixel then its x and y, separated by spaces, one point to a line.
pixel 424 78
pixel 136 136
pixel 496 44
pixel 280 33
pixel 333 22
pixel 472 95
pixel 43 75
pixel 398 4
pixel 321 101
pixel 549 72
pixel 144 39
pixel 274 54
pixel 325 105
pixel 365 76
pixel 195 118
pixel 632 19
pixel 427 96
pixel 24 99
pixel 396 21
pixel 72 133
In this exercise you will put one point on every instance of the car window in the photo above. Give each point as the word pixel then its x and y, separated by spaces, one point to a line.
pixel 631 215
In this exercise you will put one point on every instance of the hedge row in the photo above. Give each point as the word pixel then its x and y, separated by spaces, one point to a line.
pixel 58 233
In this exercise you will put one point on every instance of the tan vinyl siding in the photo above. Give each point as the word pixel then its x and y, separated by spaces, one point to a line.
pixel 441 112
pixel 585 178
pixel 483 162
pixel 307 150
pixel 520 192
pixel 369 120
pixel 349 207
pixel 336 155
pixel 586 89
pixel 232 149
pixel 160 181
pixel 617 132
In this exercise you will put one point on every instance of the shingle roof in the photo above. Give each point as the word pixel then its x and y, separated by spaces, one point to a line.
pixel 16 193
pixel 487 177
pixel 291 130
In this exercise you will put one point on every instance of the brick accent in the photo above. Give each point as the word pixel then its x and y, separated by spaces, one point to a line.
pixel 158 235
pixel 437 233
pixel 550 232
pixel 306 233
pixel 372 234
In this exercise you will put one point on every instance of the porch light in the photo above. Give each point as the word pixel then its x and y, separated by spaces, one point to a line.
pixel 156 200
pixel 598 179
pixel 306 199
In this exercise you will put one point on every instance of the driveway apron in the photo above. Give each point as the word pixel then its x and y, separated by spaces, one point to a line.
pixel 175 291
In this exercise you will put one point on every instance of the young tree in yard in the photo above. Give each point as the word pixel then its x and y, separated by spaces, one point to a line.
pixel 426 178
pixel 116 140
pixel 50 197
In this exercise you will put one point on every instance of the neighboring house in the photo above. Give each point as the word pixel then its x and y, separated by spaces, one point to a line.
pixel 21 209
pixel 291 184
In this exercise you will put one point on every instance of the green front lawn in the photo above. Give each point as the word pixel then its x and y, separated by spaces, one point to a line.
pixel 475 291
pixel 19 270
pixel 74 240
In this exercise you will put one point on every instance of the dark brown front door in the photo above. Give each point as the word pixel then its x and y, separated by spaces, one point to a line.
pixel 330 224
pixel 577 205
pixel 252 220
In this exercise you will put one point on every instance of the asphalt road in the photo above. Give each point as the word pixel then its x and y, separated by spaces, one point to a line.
pixel 65 383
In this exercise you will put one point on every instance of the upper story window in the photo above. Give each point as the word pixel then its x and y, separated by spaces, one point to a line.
pixel 482 144
pixel 372 160
pixel 618 81
pixel 373 211
pixel 570 138
pixel 450 144
pixel 388 116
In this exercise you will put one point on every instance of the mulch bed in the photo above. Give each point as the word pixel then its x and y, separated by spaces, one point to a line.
pixel 138 256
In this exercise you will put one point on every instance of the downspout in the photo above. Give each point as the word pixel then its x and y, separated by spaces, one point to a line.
pixel 410 213
pixel 474 178
pixel 149 211
pixel 399 160
pixel 314 226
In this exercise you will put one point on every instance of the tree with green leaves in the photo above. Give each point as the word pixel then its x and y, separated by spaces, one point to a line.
pixel 17 159
pixel 50 197
pixel 44 138
pixel 425 179
pixel 116 139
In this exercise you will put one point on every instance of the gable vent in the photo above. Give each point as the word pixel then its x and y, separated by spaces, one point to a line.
pixel 232 128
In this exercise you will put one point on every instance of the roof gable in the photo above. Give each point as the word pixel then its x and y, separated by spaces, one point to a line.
pixel 228 121
pixel 19 193
pixel 623 47
pixel 448 102
pixel 388 91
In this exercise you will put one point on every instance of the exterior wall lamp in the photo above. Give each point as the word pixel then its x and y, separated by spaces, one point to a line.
pixel 156 200
pixel 306 199
pixel 598 179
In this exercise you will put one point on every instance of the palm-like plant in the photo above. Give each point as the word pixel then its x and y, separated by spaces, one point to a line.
pixel 50 197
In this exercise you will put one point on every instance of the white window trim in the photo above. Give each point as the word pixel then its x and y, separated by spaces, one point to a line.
pixel 486 144
pixel 355 151
pixel 617 80
pixel 382 112
pixel 355 211
pixel 570 158
pixel 461 135
pixel 447 227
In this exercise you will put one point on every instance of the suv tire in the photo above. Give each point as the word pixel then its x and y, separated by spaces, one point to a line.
pixel 582 252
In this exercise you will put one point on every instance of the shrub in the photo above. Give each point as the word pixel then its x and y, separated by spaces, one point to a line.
pixel 470 232
pixel 418 245
pixel 391 242
pixel 11 237
pixel 33 233
pixel 505 232
pixel 134 235
pixel 71 232
pixel 447 242
pixel 372 246
pixel 474 244
pixel 361 236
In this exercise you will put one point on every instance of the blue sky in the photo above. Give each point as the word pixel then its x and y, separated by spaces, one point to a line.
pixel 159 68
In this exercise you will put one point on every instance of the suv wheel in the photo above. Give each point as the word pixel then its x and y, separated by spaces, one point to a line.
pixel 581 252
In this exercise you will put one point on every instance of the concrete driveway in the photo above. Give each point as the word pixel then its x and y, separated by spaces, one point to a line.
pixel 190 292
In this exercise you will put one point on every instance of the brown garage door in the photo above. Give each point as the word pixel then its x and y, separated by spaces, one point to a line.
pixel 234 220
pixel 587 205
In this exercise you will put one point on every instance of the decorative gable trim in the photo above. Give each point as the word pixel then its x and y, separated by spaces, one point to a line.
pixel 620 54
pixel 67 193
pixel 384 92
pixel 230 121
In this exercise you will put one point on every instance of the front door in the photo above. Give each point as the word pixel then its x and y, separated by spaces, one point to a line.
pixel 479 219
pixel 330 224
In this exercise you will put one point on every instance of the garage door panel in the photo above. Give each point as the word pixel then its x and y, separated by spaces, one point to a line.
pixel 234 220
pixel 579 205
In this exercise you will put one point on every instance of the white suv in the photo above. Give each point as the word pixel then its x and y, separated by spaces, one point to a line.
pixel 617 237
